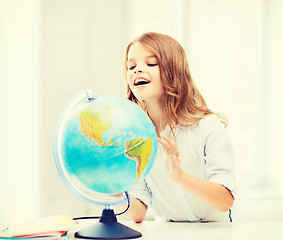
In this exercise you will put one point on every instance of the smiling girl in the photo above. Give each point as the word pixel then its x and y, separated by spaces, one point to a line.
pixel 193 175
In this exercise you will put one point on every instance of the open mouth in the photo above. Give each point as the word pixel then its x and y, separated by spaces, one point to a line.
pixel 141 81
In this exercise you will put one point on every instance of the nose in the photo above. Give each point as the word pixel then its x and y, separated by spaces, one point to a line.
pixel 138 70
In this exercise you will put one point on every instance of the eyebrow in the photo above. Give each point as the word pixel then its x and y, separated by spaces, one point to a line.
pixel 149 56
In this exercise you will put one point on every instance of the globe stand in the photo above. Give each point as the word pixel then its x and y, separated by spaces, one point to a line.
pixel 108 228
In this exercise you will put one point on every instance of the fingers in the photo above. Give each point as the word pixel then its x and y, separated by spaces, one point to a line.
pixel 171 158
pixel 117 195
pixel 176 160
pixel 169 146
pixel 164 144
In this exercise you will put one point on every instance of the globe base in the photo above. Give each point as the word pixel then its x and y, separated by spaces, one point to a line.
pixel 108 228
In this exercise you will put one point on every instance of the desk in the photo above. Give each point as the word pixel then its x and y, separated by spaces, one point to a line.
pixel 157 230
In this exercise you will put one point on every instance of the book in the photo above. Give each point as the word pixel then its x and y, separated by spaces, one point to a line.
pixel 53 226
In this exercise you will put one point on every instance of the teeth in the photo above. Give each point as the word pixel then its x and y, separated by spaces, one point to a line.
pixel 141 82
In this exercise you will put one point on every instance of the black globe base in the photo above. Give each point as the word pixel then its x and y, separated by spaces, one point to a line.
pixel 107 228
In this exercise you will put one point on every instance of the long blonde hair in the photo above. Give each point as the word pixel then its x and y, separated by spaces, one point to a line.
pixel 184 104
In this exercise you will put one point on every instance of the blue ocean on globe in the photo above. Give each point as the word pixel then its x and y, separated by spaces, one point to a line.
pixel 108 145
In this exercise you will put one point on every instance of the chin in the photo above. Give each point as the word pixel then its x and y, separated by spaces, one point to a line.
pixel 147 96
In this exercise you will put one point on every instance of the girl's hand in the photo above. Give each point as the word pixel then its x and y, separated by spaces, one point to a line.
pixel 213 194
pixel 171 159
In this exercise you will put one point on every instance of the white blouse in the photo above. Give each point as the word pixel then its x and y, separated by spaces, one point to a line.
pixel 205 152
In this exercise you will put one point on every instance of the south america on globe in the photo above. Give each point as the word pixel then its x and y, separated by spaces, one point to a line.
pixel 108 145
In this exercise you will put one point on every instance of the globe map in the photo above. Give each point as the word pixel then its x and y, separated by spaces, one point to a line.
pixel 107 145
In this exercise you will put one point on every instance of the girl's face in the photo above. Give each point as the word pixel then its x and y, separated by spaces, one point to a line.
pixel 143 74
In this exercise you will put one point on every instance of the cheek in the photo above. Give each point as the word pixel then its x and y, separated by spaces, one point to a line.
pixel 129 75
pixel 129 80
pixel 157 74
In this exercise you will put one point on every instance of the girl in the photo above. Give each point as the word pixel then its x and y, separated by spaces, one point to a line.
pixel 193 175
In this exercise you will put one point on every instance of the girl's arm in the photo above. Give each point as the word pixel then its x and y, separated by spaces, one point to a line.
pixel 213 194
pixel 137 210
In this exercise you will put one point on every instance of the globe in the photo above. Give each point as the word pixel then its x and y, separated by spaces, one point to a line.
pixel 103 146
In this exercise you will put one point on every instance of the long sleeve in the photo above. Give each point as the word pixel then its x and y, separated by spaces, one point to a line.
pixel 218 153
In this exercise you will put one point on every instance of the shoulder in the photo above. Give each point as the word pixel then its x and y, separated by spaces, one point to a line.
pixel 210 121
pixel 206 124
pixel 204 128
pixel 212 128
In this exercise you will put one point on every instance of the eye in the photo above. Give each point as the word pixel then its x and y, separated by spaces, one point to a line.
pixel 131 67
pixel 152 64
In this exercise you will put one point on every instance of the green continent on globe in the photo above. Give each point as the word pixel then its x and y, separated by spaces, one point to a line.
pixel 95 123
pixel 139 151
